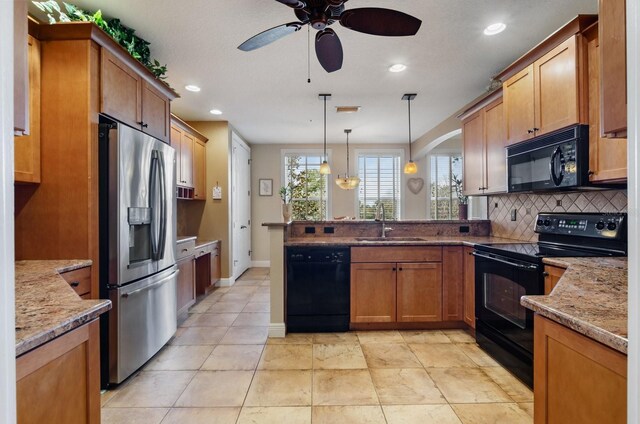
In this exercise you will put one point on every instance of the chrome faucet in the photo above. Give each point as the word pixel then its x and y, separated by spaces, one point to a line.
pixel 381 217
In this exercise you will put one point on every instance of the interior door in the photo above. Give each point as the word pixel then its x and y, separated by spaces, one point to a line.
pixel 241 206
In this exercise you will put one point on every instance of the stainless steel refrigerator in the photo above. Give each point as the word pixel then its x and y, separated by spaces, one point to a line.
pixel 137 247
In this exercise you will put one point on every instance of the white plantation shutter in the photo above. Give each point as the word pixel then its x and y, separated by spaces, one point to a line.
pixel 380 182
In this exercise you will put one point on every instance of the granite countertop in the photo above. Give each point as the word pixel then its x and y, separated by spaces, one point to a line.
pixel 590 298
pixel 425 240
pixel 46 305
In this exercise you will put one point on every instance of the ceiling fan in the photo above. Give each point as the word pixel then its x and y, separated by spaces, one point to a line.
pixel 320 14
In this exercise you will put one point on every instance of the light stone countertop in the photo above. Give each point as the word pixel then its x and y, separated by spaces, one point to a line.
pixel 590 298
pixel 424 241
pixel 46 305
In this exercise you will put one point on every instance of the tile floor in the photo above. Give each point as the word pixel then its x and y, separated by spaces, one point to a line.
pixel 221 368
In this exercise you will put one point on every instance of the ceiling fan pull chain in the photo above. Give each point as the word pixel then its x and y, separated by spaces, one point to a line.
pixel 308 55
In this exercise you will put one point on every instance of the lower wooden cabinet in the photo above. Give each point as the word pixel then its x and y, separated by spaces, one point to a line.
pixel 186 290
pixel 419 292
pixel 469 287
pixel 576 379
pixel 552 275
pixel 373 292
pixel 80 281
pixel 59 382
pixel 216 265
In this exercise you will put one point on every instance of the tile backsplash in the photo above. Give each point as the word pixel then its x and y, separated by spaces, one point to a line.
pixel 527 206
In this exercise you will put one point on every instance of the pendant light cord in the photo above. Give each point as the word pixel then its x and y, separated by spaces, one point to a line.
pixel 347 155
pixel 409 105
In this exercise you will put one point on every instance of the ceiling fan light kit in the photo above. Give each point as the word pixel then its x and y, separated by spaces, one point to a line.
pixel 325 169
pixel 320 14
pixel 347 182
pixel 410 167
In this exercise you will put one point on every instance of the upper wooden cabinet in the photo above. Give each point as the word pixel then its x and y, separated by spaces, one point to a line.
pixel 27 147
pixel 21 91
pixel 613 67
pixel 191 164
pixel 519 108
pixel 129 98
pixel 484 155
pixel 199 170
pixel 186 160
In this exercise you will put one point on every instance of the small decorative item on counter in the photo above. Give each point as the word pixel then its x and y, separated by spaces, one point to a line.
pixel 463 206
pixel 285 195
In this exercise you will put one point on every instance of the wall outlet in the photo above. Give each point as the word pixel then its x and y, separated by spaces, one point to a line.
pixel 558 202
pixel 514 214
pixel 464 228
pixel 329 230
pixel 309 230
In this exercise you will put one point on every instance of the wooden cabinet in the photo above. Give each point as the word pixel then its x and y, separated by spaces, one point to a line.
pixel 452 283
pixel 373 292
pixel 469 287
pixel 613 67
pixel 419 292
pixel 21 71
pixel 576 379
pixel 199 170
pixel 207 267
pixel 186 160
pixel 552 275
pixel 79 280
pixel 607 156
pixel 27 147
pixel 59 382
pixel 216 266
pixel 548 94
pixel 186 285
pixel 128 97
pixel 484 151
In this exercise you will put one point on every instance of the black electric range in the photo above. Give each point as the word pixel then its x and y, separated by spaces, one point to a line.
pixel 506 272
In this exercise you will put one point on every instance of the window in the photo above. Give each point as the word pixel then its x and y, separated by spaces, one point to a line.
pixel 380 182
pixel 309 189
pixel 446 185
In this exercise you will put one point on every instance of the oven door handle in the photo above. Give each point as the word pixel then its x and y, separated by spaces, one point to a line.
pixel 504 261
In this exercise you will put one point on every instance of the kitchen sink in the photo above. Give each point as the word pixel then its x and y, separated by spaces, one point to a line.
pixel 390 239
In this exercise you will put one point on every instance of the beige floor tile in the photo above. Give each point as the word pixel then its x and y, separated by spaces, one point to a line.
pixel 246 290
pixel 332 338
pixel 445 355
pixel 252 319
pixel 338 356
pixel 280 388
pixel 296 338
pixel 510 384
pixel 260 297
pixel 151 389
pixel 467 385
pixel 257 307
pixel 492 413
pixel 380 337
pixel 390 355
pixel 348 415
pixel 201 307
pixel 179 358
pixel 202 416
pixel 233 358
pixel 232 297
pixel 435 336
pixel 343 387
pixel 459 336
pixel 410 386
pixel 198 336
pixel 133 415
pixel 286 357
pixel 210 320
pixel 106 396
pixel 275 415
pixel 216 388
pixel 245 335
pixel 478 355
pixel 247 283
pixel 420 414
pixel 265 283
pixel 224 306
pixel 527 407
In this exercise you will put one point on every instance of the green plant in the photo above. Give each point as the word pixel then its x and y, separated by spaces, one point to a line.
pixel 137 47
pixel 457 184
pixel 285 194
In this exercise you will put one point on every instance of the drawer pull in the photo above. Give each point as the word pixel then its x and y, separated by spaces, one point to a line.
pixel 184 250
pixel 202 252
pixel 74 284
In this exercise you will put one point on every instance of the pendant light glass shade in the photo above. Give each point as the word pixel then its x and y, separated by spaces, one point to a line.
pixel 347 182
pixel 410 167
pixel 325 169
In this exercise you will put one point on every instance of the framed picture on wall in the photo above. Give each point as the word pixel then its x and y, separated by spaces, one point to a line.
pixel 266 187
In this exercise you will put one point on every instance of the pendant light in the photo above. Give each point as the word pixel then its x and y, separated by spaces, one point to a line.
pixel 325 169
pixel 410 167
pixel 347 182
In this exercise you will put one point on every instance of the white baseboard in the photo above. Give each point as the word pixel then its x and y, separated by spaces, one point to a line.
pixel 278 330
pixel 260 264
pixel 226 282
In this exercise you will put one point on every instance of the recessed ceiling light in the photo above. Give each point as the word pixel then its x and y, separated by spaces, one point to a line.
pixel 215 112
pixel 494 29
pixel 398 67
pixel 191 87
pixel 347 109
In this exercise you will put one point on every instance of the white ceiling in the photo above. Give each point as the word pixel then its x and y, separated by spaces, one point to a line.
pixel 265 94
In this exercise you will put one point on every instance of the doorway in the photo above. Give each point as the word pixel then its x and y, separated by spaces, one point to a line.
pixel 240 206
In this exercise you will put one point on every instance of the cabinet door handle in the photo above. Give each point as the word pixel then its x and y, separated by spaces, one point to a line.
pixel 142 124
pixel 545 274
pixel 536 129
pixel 399 269
pixel 74 284
pixel 393 269
pixel 530 131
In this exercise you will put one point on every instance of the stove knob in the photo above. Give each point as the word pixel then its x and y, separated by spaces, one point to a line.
pixel 600 226
pixel 611 226
pixel 540 223
pixel 547 222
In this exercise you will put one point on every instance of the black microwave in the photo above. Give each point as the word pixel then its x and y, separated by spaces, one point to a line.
pixel 554 161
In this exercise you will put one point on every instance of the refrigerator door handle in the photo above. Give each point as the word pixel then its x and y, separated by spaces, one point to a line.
pixel 146 288
pixel 163 207
pixel 155 234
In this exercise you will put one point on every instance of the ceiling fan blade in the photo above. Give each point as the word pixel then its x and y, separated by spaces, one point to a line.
pixel 377 21
pixel 329 50
pixel 269 36
pixel 296 4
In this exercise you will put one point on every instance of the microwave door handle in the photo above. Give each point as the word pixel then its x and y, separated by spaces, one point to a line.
pixel 163 207
pixel 153 199
pixel 557 179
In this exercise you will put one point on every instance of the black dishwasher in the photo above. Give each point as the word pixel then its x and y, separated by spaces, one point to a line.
pixel 318 289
